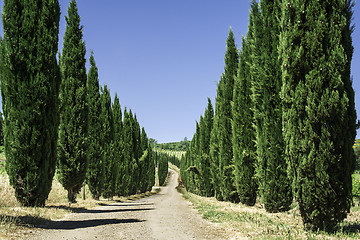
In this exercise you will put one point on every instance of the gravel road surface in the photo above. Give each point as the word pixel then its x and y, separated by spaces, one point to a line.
pixel 166 215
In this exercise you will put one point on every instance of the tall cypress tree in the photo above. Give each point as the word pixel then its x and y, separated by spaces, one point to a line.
pixel 118 144
pixel 244 148
pixel 127 136
pixel 195 160
pixel 228 189
pixel 29 87
pixel 108 143
pixel 274 186
pixel 95 172
pixel 72 146
pixel 319 115
pixel 205 133
pixel 215 146
pixel 143 162
pixel 134 128
pixel 151 169
pixel 138 153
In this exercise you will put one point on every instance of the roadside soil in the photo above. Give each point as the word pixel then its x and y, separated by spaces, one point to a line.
pixel 166 215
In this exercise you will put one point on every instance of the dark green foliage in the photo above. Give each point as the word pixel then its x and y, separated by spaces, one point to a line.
pixel 194 170
pixel 143 162
pixel 195 165
pixel 215 147
pixel 192 166
pixel 136 136
pixel 174 160
pixel 72 145
pixel 206 124
pixel 149 172
pixel 128 155
pixel 274 186
pixel 1 129
pixel 151 169
pixel 134 161
pixel 162 167
pixel 221 164
pixel 224 115
pixel 95 173
pixel 138 165
pixel 357 154
pixel 318 112
pixel 183 168
pixel 108 143
pixel 244 147
pixel 29 87
pixel 118 146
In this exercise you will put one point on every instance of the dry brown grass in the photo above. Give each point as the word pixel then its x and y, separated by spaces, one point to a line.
pixel 245 222
pixel 15 220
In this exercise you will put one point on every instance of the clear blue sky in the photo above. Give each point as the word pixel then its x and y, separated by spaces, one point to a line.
pixel 164 58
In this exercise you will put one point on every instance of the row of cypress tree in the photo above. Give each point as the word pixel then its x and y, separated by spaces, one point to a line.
pixel 284 121
pixel 162 161
pixel 56 117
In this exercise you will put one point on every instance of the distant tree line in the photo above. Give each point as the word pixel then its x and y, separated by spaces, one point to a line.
pixel 175 160
pixel 283 127
pixel 162 163
pixel 174 146
pixel 56 116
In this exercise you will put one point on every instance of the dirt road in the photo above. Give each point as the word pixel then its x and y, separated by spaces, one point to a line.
pixel 162 216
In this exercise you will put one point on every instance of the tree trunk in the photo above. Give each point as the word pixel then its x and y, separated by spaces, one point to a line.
pixel 71 196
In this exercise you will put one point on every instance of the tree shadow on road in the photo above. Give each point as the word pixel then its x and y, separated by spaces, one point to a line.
pixel 125 204
pixel 84 210
pixel 71 225
pixel 42 223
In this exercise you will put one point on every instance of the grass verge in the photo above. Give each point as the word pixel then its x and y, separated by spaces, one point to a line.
pixel 16 221
pixel 255 223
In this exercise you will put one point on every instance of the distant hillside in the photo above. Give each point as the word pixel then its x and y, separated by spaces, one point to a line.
pixel 174 146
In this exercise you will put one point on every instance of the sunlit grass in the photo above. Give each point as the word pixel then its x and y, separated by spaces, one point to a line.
pixel 255 223
pixel 15 221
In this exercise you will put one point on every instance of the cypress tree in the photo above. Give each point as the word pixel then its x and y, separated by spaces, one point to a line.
pixel 275 189
pixel 201 158
pixel 151 169
pixel 228 189
pixel 144 162
pixel 206 125
pixel 209 119
pixel 162 168
pixel 137 154
pixel 72 145
pixel 29 87
pixel 133 153
pixel 215 146
pixel 108 143
pixel 209 122
pixel 183 167
pixel 137 138
pixel 319 115
pixel 118 144
pixel 244 148
pixel 95 173
pixel 126 179
pixel 193 168
pixel 195 161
